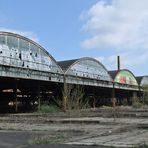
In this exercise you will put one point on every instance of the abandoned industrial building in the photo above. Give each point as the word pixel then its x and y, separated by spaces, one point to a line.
pixel 29 75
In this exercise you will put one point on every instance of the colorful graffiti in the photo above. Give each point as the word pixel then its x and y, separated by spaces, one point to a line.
pixel 125 77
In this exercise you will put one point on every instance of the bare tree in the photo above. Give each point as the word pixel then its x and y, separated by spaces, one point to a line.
pixel 74 95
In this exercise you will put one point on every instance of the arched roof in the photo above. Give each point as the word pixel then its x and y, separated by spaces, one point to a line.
pixel 123 76
pixel 85 67
pixel 142 80
pixel 26 53
pixel 66 64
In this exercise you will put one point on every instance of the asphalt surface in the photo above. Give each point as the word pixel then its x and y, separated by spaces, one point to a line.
pixel 64 146
pixel 19 139
pixel 13 139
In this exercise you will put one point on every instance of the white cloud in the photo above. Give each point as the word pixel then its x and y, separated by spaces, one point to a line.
pixel 101 59
pixel 121 25
pixel 29 34
pixel 109 62
pixel 136 62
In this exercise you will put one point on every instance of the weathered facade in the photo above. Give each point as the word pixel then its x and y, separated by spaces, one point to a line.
pixel 86 71
pixel 124 79
pixel 28 74
pixel 23 58
pixel 125 87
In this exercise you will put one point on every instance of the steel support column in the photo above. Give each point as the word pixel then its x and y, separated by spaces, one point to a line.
pixel 15 95
pixel 94 99
pixel 65 94
pixel 38 96
pixel 134 97
pixel 113 96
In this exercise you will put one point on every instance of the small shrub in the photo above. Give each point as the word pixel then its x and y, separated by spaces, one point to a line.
pixel 115 112
pixel 137 104
pixel 142 146
pixel 124 102
pixel 49 108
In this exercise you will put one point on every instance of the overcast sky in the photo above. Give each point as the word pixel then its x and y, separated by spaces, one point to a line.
pixel 70 29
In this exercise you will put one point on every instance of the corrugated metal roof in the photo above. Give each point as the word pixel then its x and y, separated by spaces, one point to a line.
pixel 139 79
pixel 66 64
pixel 113 73
pixel 142 79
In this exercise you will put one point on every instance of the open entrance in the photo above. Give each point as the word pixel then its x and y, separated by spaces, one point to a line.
pixel 21 95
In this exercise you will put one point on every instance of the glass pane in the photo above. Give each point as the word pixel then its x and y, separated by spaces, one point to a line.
pixel 43 53
pixel 34 49
pixel 34 54
pixel 12 42
pixel 2 39
pixel 24 45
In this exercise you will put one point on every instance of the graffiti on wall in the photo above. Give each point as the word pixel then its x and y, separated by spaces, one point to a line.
pixel 125 77
pixel 18 52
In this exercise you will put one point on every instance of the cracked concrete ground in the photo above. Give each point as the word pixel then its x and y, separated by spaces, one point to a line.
pixel 100 131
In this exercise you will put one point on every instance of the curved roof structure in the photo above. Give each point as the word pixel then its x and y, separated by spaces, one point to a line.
pixel 85 67
pixel 19 51
pixel 66 64
pixel 142 80
pixel 123 76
